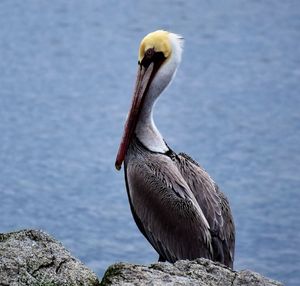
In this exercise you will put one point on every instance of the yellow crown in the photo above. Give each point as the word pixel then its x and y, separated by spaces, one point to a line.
pixel 159 40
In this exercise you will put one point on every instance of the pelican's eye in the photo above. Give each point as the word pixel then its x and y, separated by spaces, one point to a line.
pixel 149 53
pixel 152 56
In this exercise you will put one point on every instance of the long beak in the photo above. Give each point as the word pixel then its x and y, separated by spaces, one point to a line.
pixel 142 82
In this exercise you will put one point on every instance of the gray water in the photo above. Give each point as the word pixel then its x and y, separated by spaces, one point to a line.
pixel 67 71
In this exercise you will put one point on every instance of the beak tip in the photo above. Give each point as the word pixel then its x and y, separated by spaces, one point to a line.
pixel 118 166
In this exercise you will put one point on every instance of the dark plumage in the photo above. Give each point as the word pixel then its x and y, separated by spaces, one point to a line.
pixel 169 196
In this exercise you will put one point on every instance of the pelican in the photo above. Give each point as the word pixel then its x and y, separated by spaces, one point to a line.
pixel 174 202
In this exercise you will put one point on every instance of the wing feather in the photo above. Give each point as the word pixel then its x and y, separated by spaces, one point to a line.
pixel 215 207
pixel 167 209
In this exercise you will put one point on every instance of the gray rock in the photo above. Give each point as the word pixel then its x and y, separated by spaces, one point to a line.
pixel 200 272
pixel 31 257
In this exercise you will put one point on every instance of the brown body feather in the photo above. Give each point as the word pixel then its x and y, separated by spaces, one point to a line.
pixel 178 207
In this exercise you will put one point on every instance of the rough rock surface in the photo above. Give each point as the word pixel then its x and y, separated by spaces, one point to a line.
pixel 31 257
pixel 200 272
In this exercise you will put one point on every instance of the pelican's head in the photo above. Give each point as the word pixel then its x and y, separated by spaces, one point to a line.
pixel 155 42
pixel 158 59
pixel 160 52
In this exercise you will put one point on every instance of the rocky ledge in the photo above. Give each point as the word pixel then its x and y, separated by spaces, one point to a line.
pixel 31 257
pixel 201 272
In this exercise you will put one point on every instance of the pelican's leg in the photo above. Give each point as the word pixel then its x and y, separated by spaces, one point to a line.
pixel 161 259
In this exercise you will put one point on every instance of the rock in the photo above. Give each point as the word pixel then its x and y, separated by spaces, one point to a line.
pixel 200 272
pixel 31 257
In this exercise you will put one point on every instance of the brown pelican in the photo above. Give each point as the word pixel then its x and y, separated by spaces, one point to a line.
pixel 174 202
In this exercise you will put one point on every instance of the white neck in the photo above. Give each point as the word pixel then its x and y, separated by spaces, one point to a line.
pixel 146 130
pixel 148 134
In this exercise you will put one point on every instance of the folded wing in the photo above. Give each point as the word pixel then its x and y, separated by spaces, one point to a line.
pixel 166 210
pixel 214 205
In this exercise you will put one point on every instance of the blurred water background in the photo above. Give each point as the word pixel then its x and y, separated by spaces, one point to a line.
pixel 67 70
